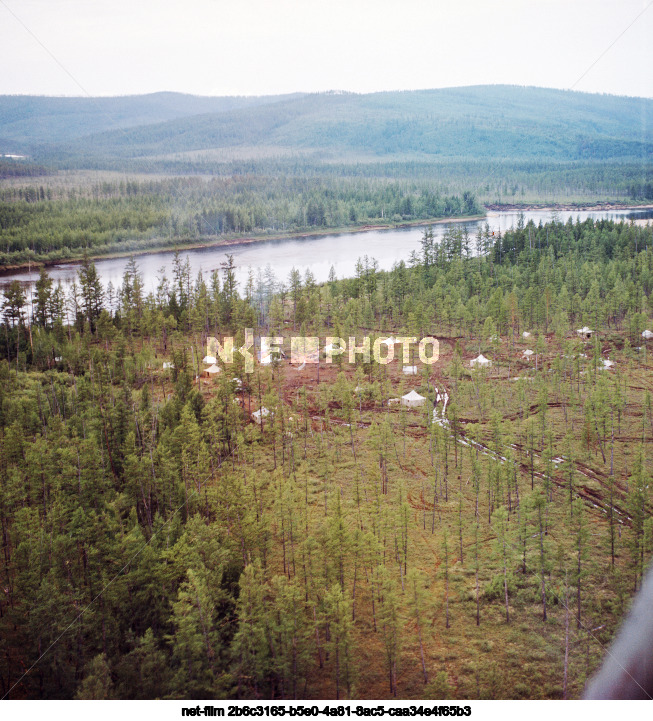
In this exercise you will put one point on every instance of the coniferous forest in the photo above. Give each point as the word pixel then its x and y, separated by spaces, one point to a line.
pixel 46 224
pixel 157 542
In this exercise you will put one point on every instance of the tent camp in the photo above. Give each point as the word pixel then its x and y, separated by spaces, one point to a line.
pixel 647 335
pixel 410 370
pixel 412 400
pixel 527 353
pixel 607 363
pixel 584 332
pixel 480 361
pixel 525 334
pixel 210 359
pixel 259 415
pixel 167 365
pixel 211 371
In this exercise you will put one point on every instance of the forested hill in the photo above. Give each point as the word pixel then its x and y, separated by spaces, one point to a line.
pixel 480 122
pixel 27 120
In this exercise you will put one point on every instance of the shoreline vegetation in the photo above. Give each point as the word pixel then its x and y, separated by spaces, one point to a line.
pixel 251 238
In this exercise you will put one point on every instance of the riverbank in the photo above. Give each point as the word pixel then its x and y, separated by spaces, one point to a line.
pixel 216 242
pixel 566 207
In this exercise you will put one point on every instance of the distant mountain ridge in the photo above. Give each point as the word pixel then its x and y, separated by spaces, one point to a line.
pixel 495 121
pixel 38 119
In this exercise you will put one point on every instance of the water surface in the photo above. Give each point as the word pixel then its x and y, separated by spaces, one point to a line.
pixel 319 253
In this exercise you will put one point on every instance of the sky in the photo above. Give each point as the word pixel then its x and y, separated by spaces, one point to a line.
pixel 263 47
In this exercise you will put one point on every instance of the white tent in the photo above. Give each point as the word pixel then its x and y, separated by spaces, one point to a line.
pixel 584 332
pixel 647 335
pixel 525 334
pixel 527 353
pixel 331 347
pixel 211 370
pixel 167 365
pixel 410 370
pixel 607 363
pixel 259 415
pixel 412 400
pixel 480 361
pixel 211 359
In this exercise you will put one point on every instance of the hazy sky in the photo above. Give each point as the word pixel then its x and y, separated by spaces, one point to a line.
pixel 252 47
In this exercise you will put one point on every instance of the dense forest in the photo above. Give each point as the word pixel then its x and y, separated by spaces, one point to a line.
pixel 46 223
pixel 159 543
pixel 58 217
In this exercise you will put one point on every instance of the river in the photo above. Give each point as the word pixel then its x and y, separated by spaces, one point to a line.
pixel 319 253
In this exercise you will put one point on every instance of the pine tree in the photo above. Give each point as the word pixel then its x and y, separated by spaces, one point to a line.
pixel 390 622
pixel 195 645
pixel 580 542
pixel 337 613
pixel 97 684
pixel 415 582
pixel 250 643
pixel 43 288
pixel 500 526
pixel 91 292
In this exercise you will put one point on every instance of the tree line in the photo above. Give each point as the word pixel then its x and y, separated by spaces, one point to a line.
pixel 38 223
